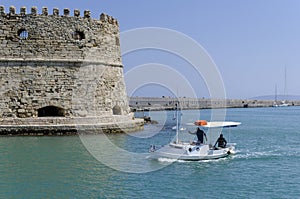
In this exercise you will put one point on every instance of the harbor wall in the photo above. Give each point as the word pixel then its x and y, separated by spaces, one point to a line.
pixel 168 103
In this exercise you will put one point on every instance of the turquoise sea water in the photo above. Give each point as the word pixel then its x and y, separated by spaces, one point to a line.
pixel 267 163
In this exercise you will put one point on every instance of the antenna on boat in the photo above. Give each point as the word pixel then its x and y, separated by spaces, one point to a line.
pixel 177 117
pixel 177 122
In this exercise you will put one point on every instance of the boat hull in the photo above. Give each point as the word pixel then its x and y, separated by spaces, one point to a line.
pixel 192 152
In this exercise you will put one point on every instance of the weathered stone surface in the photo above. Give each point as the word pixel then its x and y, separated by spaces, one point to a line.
pixel 60 66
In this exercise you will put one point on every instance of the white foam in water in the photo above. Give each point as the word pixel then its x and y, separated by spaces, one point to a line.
pixel 168 160
pixel 257 154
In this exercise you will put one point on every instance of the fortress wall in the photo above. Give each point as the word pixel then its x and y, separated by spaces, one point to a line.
pixel 69 64
pixel 59 37
pixel 77 88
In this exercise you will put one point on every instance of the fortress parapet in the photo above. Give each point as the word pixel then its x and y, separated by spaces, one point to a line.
pixel 33 35
pixel 55 12
pixel 58 65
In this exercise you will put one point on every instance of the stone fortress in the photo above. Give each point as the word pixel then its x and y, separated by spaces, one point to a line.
pixel 61 73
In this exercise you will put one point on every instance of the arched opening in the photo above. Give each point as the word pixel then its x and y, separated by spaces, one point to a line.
pixel 117 110
pixel 51 111
pixel 78 35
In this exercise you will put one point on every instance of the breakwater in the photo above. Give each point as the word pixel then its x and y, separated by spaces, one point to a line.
pixel 168 103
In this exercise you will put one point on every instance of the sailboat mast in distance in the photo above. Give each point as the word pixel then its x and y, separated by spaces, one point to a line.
pixel 285 87
pixel 276 93
pixel 275 100
pixel 284 103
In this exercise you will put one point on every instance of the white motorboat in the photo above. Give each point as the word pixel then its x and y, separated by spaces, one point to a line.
pixel 185 150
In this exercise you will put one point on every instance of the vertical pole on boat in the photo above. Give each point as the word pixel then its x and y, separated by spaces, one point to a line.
pixel 177 122
pixel 229 134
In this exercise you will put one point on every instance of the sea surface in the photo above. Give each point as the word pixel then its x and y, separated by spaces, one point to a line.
pixel 266 165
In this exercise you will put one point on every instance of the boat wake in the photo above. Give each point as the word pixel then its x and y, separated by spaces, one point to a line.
pixel 169 160
pixel 257 154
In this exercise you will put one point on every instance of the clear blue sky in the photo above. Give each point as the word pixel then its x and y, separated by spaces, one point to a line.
pixel 251 41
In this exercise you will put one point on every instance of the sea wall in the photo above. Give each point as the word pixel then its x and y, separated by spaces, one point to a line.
pixel 168 103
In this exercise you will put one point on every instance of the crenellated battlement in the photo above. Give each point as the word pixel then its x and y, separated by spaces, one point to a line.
pixel 54 36
pixel 12 13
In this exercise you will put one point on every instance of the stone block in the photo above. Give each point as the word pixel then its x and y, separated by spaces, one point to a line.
pixel 76 13
pixel 21 111
pixel 66 12
pixel 55 12
pixel 34 10
pixel 12 10
pixel 87 14
pixel 2 10
pixel 45 11
pixel 23 10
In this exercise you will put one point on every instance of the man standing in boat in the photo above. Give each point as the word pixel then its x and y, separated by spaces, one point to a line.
pixel 200 136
